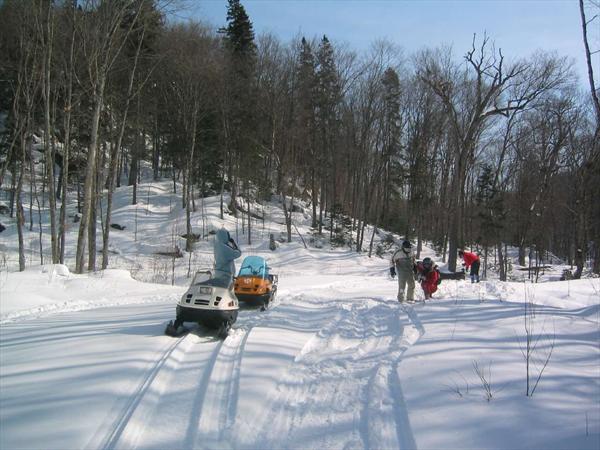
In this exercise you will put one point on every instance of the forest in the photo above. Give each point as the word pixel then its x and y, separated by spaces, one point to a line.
pixel 462 148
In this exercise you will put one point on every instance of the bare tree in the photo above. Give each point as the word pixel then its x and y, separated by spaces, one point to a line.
pixel 25 92
pixel 485 89
pixel 591 167
pixel 44 18
pixel 102 40
pixel 588 59
pixel 68 82
pixel 143 19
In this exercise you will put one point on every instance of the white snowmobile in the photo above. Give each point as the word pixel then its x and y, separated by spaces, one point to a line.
pixel 209 301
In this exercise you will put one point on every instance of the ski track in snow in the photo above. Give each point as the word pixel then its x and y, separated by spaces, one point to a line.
pixel 343 390
pixel 191 392
pixel 220 399
pixel 149 382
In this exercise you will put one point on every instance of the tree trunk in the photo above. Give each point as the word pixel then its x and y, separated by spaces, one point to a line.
pixel 313 187
pixel 521 256
pixel 377 205
pixel 249 217
pixel 321 206
pixel 65 175
pixel 133 170
pixel 287 214
pixel 456 225
pixel 19 206
pixel 155 147
pixel 96 189
pixel 221 216
pixel 501 263
pixel 47 33
pixel 89 194
pixel 112 175
pixel 189 170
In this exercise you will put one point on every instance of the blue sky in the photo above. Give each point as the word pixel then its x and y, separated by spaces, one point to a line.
pixel 519 27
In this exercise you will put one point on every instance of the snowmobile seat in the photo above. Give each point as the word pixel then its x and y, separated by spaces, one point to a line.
pixel 222 282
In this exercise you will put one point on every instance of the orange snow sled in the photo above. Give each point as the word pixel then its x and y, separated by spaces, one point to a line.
pixel 254 284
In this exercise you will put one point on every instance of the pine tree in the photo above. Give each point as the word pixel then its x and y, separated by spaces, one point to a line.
pixel 240 110
pixel 392 132
pixel 328 98
pixel 239 33
pixel 306 120
pixel 491 210
pixel 490 215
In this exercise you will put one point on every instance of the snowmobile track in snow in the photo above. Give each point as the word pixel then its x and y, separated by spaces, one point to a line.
pixel 136 398
pixel 354 356
pixel 216 372
pixel 217 400
pixel 384 393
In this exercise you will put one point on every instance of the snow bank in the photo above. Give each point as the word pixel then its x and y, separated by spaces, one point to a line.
pixel 53 288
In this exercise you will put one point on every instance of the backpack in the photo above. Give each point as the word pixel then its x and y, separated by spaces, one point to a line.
pixel 439 280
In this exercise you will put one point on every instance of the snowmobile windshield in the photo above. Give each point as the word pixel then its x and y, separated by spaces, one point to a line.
pixel 254 266
pixel 218 281
pixel 207 278
pixel 202 277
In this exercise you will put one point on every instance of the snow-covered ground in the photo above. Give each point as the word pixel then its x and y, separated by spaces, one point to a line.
pixel 336 362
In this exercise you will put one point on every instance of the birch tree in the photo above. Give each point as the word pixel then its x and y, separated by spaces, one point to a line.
pixel 102 40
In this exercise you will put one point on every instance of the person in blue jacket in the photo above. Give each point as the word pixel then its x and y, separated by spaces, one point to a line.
pixel 225 252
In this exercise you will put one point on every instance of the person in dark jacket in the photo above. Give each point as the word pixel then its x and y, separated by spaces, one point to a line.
pixel 471 260
pixel 428 275
pixel 403 265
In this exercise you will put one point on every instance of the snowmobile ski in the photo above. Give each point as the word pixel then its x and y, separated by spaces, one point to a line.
pixel 224 329
pixel 173 331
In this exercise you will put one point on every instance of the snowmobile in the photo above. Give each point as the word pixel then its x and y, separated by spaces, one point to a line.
pixel 254 284
pixel 209 301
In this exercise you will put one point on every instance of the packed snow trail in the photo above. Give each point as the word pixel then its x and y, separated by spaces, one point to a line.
pixel 135 414
pixel 166 414
pixel 72 372
pixel 343 390
pixel 311 357
pixel 196 369
pixel 190 402
pixel 190 399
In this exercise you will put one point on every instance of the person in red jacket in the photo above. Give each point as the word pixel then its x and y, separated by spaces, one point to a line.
pixel 428 276
pixel 471 260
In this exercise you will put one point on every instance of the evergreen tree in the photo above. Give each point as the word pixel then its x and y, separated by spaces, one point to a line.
pixel 306 120
pixel 392 132
pixel 490 215
pixel 391 99
pixel 328 83
pixel 328 98
pixel 240 106
pixel 491 210
pixel 239 34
